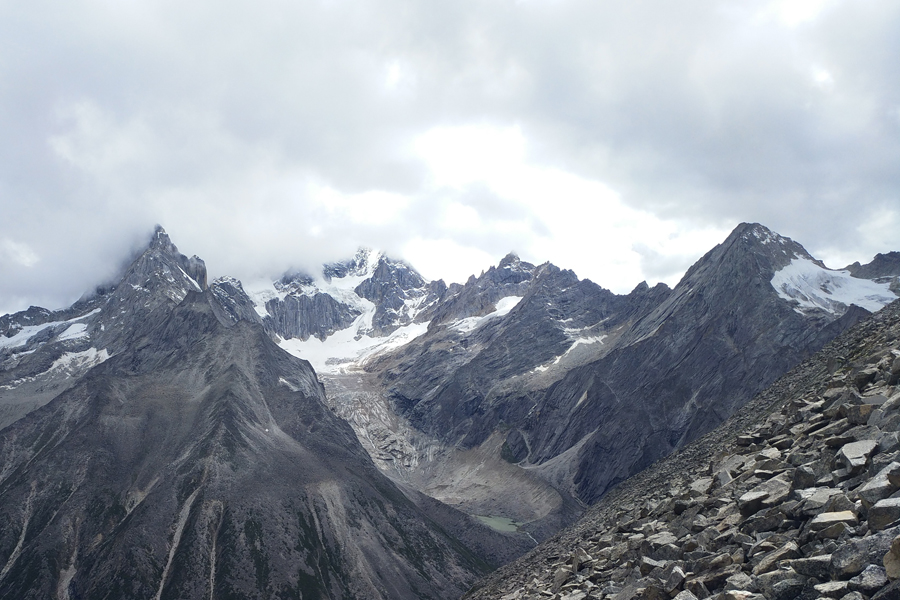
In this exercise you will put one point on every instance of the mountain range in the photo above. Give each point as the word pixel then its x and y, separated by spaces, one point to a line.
pixel 363 432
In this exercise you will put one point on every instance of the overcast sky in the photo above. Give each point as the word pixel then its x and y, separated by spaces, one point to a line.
pixel 619 139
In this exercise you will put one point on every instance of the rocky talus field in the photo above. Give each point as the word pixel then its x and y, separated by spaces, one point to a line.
pixel 796 496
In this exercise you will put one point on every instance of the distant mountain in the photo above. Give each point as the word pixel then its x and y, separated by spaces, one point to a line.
pixel 576 386
pixel 190 457
pixel 158 438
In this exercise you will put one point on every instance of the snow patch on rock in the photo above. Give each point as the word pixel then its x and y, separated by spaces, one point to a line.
pixel 501 308
pixel 80 361
pixel 347 349
pixel 813 288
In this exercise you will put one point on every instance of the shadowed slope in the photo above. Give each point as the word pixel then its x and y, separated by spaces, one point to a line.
pixel 206 464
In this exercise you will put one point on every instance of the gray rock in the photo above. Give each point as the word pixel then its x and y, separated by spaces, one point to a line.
pixel 561 575
pixel 674 580
pixel 751 501
pixel 780 584
pixel 864 377
pixel 740 581
pixel 889 442
pixel 855 456
pixel 813 500
pixel 814 566
pixel 832 532
pixel 647 564
pixel 766 494
pixel 804 477
pixel 825 520
pixel 889 592
pixel 872 579
pixel 880 486
pixel 884 513
pixel 852 557
pixel 771 560
pixel 832 589
pixel 736 594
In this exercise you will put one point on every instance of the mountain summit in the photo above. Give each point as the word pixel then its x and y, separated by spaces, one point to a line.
pixel 184 455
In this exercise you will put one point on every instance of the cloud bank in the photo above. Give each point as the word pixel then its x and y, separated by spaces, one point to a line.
pixel 621 140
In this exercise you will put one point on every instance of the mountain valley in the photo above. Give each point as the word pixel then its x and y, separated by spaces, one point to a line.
pixel 363 432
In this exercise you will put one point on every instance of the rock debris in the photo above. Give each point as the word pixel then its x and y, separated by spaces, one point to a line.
pixel 796 496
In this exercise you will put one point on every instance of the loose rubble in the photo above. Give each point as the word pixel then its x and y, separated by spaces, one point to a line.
pixel 796 496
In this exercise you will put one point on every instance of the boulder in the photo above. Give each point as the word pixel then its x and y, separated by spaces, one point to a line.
pixel 767 494
pixel 804 477
pixel 781 584
pixel 740 581
pixel 884 513
pixel 832 589
pixel 751 502
pixel 771 560
pixel 674 580
pixel 891 560
pixel 813 500
pixel 825 520
pixel 880 486
pixel 854 457
pixel 872 579
pixel 853 556
pixel 814 566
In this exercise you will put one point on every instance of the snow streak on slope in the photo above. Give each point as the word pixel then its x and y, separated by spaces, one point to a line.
pixel 74 331
pixel 502 308
pixel 813 287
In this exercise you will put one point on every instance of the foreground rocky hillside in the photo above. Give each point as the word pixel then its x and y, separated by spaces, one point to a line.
pixel 796 496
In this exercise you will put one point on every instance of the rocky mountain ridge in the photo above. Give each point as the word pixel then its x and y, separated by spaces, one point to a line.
pixel 582 388
pixel 526 371
pixel 197 460
pixel 518 398
pixel 795 496
pixel 43 352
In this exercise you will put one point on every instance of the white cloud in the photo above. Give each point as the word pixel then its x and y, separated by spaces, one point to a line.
pixel 605 136
pixel 796 12
pixel 17 253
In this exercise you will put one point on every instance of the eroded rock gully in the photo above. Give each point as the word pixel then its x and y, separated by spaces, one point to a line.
pixel 796 496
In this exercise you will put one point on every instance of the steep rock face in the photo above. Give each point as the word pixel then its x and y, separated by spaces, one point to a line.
pixel 883 265
pixel 203 462
pixel 462 395
pixel 232 302
pixel 480 294
pixel 43 352
pixel 720 337
pixel 645 373
pixel 302 317
pixel 370 293
pixel 399 294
